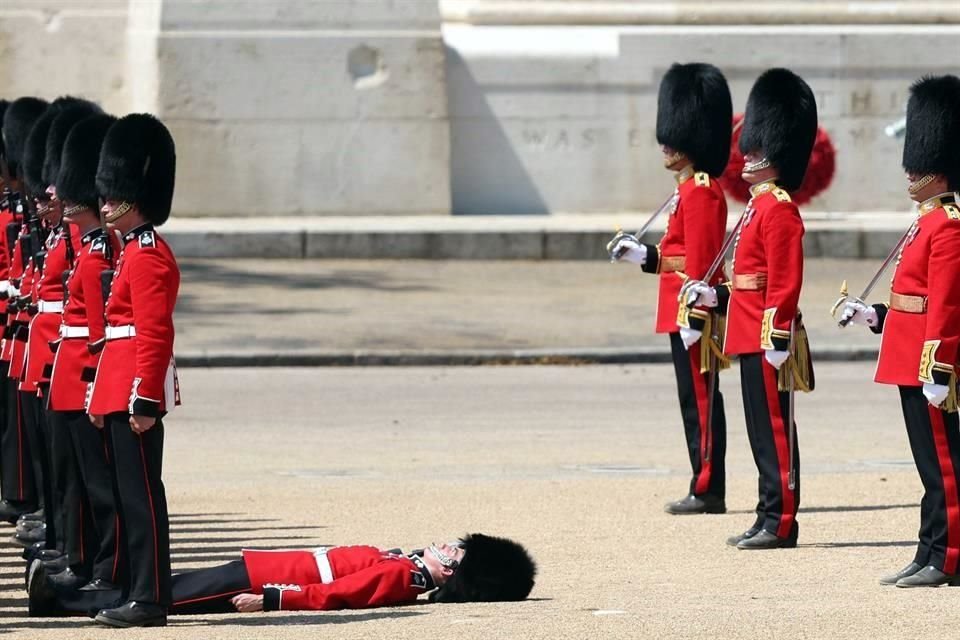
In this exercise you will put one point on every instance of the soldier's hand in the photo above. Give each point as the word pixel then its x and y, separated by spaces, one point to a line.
pixel 700 293
pixel 97 421
pixel 141 424
pixel 935 393
pixel 628 250
pixel 247 602
pixel 857 312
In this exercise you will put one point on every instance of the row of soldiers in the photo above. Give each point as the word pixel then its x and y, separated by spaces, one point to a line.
pixel 87 353
pixel 753 314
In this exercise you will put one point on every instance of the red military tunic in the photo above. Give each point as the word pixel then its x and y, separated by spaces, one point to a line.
pixel 83 322
pixel 6 218
pixel 21 322
pixel 48 296
pixel 691 242
pixel 354 577
pixel 15 279
pixel 921 325
pixel 767 273
pixel 135 373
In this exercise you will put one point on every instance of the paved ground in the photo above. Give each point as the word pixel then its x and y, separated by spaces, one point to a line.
pixel 339 311
pixel 575 462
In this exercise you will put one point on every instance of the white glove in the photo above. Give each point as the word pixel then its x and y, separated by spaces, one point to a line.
pixel 630 251
pixel 857 312
pixel 689 336
pixel 935 393
pixel 700 293
pixel 776 358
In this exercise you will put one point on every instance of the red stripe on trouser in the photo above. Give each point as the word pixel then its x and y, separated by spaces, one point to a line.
pixel 116 548
pixel 181 603
pixel 949 490
pixel 82 551
pixel 20 445
pixel 780 438
pixel 700 392
pixel 153 518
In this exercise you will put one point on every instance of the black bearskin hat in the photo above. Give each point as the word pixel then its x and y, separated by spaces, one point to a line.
pixel 77 179
pixel 138 165
pixel 59 128
pixel 932 142
pixel 695 115
pixel 492 570
pixel 781 121
pixel 3 109
pixel 35 151
pixel 17 122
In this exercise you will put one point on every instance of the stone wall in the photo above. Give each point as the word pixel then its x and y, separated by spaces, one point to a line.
pixel 548 119
pixel 305 107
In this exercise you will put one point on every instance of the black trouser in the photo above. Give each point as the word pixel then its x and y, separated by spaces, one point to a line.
pixel 91 527
pixel 766 412
pixel 706 438
pixel 18 483
pixel 61 473
pixel 935 442
pixel 142 507
pixel 35 426
pixel 194 592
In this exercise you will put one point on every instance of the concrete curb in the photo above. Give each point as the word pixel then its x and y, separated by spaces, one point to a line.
pixel 456 358
pixel 470 245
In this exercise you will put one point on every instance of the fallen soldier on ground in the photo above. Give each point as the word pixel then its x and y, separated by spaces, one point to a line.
pixel 478 568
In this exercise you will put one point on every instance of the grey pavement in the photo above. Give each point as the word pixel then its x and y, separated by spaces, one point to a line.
pixel 329 312
pixel 575 462
pixel 522 237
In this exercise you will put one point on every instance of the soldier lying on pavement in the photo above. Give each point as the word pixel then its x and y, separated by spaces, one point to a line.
pixel 478 568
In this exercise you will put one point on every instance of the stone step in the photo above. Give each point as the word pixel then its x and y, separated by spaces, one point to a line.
pixel 553 237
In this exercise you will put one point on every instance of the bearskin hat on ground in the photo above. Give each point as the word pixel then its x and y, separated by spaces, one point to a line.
pixel 694 113
pixel 493 569
pixel 138 165
pixel 781 122
pixel 77 179
pixel 932 140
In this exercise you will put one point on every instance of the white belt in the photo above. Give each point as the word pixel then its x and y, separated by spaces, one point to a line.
pixel 124 331
pixel 323 565
pixel 44 306
pixel 74 332
pixel 12 291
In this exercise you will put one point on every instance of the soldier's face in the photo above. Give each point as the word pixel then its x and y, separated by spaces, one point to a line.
pixel 442 559
pixel 672 159
pixel 923 186
pixel 757 169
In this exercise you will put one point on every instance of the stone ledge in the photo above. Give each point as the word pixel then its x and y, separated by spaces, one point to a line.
pixel 624 12
pixel 469 357
pixel 559 237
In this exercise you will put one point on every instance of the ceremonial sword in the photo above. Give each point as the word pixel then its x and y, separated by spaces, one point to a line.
pixel 873 281
pixel 668 203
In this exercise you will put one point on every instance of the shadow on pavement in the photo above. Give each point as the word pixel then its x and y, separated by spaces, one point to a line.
pixel 846 545
pixel 840 509
pixel 320 617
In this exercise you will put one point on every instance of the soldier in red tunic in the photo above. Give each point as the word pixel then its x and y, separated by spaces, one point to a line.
pixel 45 308
pixel 694 118
pixel 478 568
pixel 135 384
pixel 21 494
pixel 763 326
pixel 89 527
pixel 920 326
